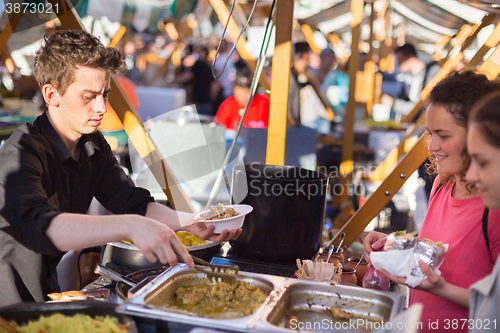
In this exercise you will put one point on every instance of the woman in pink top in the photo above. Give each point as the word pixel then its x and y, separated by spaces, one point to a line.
pixel 455 210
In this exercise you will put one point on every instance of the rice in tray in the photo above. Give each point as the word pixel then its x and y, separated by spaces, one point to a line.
pixel 78 323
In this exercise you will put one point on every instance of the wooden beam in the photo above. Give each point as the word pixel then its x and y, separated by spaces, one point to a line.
pixel 462 35
pixel 382 51
pixel 401 39
pixel 390 61
pixel 280 83
pixel 449 65
pixel 381 19
pixel 309 34
pixel 343 56
pixel 233 31
pixel 346 165
pixel 171 31
pixel 390 161
pixel 458 40
pixel 118 36
pixel 9 62
pixel 384 193
pixel 410 162
pixel 317 89
pixel 369 81
pixel 315 84
pixel 388 164
pixel 10 26
pixel 146 148
pixel 439 47
pixel 370 67
pixel 491 66
pixel 490 43
pixel 174 56
pixel 371 36
pixel 377 93
pixel 343 216
pixel 132 123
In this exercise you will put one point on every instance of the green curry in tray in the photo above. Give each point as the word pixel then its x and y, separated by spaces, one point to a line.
pixel 209 299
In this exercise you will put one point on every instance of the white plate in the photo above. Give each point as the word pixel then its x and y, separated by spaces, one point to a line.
pixel 228 223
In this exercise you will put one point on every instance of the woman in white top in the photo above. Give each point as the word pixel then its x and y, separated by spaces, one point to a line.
pixel 483 144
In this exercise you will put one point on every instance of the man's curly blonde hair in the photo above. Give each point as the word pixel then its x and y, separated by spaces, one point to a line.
pixel 64 51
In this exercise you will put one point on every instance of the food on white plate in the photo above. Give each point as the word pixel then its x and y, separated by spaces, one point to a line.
pixel 217 212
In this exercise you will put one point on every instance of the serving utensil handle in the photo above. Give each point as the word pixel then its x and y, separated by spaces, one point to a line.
pixel 195 259
pixel 113 275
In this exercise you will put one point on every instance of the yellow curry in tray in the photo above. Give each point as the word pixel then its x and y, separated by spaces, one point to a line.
pixel 209 299
pixel 187 238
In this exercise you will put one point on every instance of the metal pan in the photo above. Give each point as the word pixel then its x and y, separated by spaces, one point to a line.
pixel 129 256
pixel 308 299
pixel 24 312
pixel 121 289
pixel 143 302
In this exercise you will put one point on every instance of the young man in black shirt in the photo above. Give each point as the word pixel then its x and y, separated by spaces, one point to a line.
pixel 51 170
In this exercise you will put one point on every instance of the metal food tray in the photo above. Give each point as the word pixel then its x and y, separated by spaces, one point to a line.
pixel 308 299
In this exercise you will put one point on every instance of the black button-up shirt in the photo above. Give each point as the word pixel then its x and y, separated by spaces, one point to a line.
pixel 39 180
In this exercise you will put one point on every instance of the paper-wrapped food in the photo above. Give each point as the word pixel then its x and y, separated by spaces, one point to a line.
pixel 401 255
pixel 399 241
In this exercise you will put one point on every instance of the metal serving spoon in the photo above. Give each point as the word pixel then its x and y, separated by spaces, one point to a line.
pixel 330 251
pixel 359 262
pixel 342 236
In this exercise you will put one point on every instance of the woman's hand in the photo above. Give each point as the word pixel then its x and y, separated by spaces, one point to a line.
pixel 432 284
pixel 373 241
pixel 200 230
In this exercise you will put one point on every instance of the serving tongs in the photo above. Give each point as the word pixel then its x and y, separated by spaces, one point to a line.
pixel 223 272
pixel 114 275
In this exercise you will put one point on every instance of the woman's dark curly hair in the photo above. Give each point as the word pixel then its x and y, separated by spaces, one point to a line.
pixel 457 93
pixel 62 51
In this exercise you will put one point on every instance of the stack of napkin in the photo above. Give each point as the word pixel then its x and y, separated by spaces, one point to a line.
pixel 318 270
